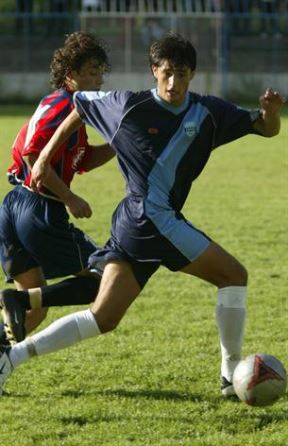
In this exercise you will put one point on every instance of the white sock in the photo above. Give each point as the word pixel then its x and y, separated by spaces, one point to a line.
pixel 60 334
pixel 230 314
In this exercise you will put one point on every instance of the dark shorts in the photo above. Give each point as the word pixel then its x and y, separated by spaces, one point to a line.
pixel 112 251
pixel 35 231
pixel 137 240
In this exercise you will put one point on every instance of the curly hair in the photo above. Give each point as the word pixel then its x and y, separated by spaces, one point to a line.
pixel 78 48
pixel 174 48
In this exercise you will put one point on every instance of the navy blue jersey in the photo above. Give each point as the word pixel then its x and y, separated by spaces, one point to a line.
pixel 161 150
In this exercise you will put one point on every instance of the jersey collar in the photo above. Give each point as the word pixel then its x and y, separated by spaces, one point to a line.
pixel 172 108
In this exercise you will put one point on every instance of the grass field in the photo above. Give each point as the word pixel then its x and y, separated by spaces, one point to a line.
pixel 155 380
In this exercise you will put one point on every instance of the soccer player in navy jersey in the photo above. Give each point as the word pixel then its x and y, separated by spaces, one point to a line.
pixel 37 241
pixel 162 138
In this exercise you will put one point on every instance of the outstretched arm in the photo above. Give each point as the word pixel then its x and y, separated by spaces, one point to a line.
pixel 268 124
pixel 40 169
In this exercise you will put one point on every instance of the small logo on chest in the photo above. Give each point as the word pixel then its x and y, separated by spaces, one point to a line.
pixel 153 131
pixel 190 129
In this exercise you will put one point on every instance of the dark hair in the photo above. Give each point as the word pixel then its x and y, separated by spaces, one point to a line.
pixel 78 48
pixel 174 48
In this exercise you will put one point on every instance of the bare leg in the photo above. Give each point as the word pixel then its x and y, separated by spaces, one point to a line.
pixel 32 279
pixel 218 267
pixel 118 289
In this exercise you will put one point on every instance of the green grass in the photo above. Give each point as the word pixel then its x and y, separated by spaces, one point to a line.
pixel 154 381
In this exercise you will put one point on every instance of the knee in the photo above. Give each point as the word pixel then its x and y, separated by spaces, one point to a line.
pixel 106 325
pixel 239 277
pixel 236 276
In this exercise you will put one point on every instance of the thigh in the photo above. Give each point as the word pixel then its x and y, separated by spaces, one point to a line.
pixel 217 266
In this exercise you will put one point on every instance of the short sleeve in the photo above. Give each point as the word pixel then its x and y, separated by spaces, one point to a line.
pixel 102 111
pixel 231 122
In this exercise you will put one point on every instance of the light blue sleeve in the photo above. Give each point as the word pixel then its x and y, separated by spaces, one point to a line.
pixel 102 110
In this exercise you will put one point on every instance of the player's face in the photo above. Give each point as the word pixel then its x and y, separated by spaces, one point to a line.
pixel 88 78
pixel 172 82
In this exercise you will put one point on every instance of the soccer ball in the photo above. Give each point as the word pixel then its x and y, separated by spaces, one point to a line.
pixel 259 379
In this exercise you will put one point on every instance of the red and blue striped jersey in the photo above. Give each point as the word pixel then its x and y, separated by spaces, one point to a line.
pixel 35 134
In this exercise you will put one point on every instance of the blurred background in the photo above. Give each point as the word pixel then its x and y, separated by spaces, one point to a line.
pixel 242 44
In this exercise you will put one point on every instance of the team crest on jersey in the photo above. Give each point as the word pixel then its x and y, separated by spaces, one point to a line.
pixel 190 129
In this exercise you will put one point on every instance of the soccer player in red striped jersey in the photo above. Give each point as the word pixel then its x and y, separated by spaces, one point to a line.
pixel 37 240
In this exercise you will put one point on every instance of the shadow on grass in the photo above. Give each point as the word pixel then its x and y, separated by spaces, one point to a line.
pixel 167 395
pixel 157 395
pixel 258 419
pixel 154 394
pixel 17 395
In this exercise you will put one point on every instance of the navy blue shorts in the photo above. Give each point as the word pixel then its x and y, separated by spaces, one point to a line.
pixel 112 251
pixel 137 240
pixel 35 231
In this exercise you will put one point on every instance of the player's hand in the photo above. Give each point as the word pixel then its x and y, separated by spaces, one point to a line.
pixel 39 173
pixel 272 102
pixel 77 206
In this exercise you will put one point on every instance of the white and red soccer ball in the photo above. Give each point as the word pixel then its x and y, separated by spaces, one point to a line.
pixel 260 379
